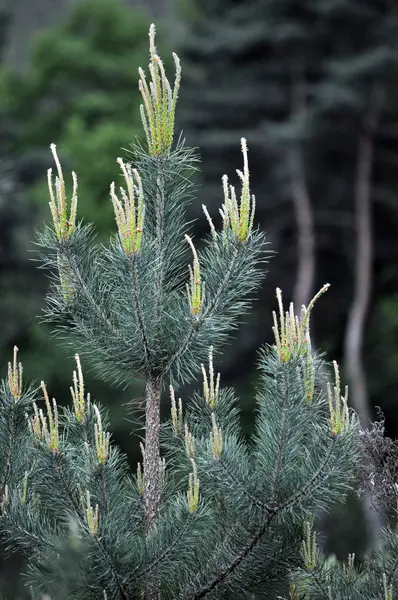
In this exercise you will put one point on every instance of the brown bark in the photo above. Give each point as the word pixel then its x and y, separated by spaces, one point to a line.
pixel 152 466
pixel 152 451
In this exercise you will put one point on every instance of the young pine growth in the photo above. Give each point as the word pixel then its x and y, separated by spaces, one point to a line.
pixel 207 514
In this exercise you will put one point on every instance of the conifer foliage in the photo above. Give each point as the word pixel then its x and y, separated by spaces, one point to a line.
pixel 208 514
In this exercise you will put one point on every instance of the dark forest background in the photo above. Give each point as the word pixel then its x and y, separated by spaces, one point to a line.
pixel 311 84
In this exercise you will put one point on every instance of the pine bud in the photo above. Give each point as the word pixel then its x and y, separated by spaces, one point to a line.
pixel 309 547
pixel 130 214
pixel 216 438
pixel 15 377
pixel 176 413
pixel 189 443
pixel 193 489
pixel 210 388
pixel 80 404
pixel 64 226
pixel 239 218
pixel 338 405
pixel 101 439
pixel 387 588
pixel 292 336
pixel 92 515
pixel 46 427
pixel 349 568
pixel 24 493
pixel 158 110
pixel 196 289
pixel 210 221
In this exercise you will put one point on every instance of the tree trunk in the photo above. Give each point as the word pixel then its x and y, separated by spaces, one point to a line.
pixel 304 284
pixel 152 466
pixel 363 263
pixel 152 451
pixel 353 342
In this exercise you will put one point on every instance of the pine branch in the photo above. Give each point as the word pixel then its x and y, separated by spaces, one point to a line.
pixel 242 489
pixel 311 483
pixel 86 293
pixel 219 579
pixel 154 564
pixel 224 283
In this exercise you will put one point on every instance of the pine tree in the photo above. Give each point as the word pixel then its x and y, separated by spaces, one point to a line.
pixel 207 515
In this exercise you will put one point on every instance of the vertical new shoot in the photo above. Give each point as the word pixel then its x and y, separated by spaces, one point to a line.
pixel 292 336
pixel 77 392
pixel 92 515
pixel 64 226
pixel 196 289
pixel 46 427
pixel 211 387
pixel 15 377
pixel 237 217
pixel 130 214
pixel 338 405
pixel 158 110
pixel 176 413
pixel 309 547
pixel 193 489
pixel 101 439
pixel 216 440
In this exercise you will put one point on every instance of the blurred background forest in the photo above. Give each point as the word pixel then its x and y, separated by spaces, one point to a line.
pixel 311 84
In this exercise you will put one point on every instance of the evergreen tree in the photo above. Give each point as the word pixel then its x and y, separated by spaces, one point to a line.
pixel 207 515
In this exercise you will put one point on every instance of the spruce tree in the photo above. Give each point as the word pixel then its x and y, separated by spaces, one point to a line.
pixel 207 514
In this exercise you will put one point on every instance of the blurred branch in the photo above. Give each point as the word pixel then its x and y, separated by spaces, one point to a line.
pixel 363 259
pixel 301 198
pixel 353 342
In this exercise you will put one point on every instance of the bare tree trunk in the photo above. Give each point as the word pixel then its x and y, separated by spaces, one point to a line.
pixel 363 262
pixel 304 284
pixel 353 342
